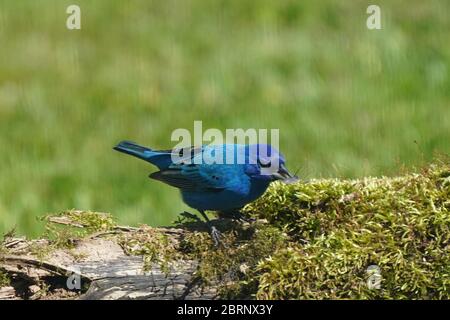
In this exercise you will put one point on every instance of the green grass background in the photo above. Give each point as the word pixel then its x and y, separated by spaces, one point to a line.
pixel 348 101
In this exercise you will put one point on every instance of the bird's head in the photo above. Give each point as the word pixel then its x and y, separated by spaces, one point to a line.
pixel 267 163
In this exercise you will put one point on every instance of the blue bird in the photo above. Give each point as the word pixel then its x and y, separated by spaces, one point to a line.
pixel 221 178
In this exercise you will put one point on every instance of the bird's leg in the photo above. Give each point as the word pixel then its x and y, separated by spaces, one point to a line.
pixel 215 234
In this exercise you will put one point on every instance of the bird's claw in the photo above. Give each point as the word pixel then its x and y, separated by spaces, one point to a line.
pixel 216 236
pixel 248 220
pixel 241 218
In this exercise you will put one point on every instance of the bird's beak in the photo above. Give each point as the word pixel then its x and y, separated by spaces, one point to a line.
pixel 284 175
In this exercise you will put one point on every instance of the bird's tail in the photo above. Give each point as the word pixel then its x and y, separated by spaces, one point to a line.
pixel 134 149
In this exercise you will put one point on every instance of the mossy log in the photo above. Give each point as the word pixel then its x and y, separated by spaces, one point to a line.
pixel 97 267
pixel 320 239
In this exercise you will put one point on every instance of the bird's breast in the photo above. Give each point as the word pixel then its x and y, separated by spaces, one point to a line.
pixel 226 199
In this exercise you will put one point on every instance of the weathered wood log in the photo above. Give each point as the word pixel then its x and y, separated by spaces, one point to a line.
pixel 97 267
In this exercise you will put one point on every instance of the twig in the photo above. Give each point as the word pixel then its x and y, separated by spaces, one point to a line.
pixel 31 262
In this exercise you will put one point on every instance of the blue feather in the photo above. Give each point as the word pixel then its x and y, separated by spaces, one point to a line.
pixel 207 185
pixel 159 158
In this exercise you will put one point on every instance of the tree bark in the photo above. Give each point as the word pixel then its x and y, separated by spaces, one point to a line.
pixel 97 267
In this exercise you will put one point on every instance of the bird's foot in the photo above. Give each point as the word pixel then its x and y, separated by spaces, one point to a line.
pixel 241 218
pixel 247 219
pixel 216 236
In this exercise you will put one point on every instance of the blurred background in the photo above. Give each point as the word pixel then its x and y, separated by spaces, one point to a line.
pixel 349 102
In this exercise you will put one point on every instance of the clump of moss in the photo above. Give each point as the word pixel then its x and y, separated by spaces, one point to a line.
pixel 90 221
pixel 233 266
pixel 321 238
pixel 341 227
pixel 5 280
pixel 153 245
pixel 65 227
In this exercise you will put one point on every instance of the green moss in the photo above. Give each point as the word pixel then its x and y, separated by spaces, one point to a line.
pixel 4 279
pixel 320 240
pixel 341 227
pixel 65 227
pixel 89 220
pixel 232 266
pixel 153 245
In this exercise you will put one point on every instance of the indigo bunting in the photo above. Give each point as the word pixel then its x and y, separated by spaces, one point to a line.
pixel 221 178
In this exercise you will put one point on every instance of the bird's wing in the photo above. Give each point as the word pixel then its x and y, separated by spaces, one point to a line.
pixel 194 177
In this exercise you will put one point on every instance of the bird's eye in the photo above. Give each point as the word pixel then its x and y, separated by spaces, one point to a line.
pixel 264 165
